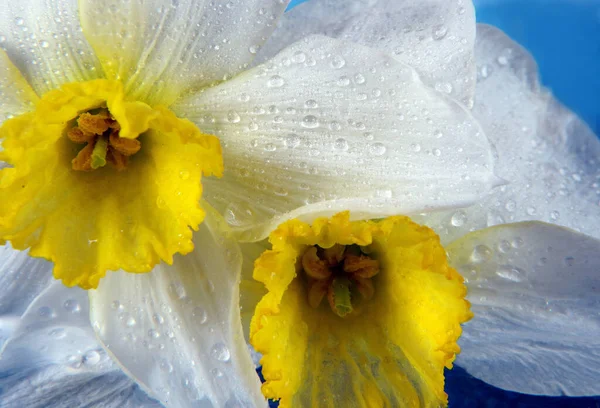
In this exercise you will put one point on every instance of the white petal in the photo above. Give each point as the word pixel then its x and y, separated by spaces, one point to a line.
pixel 44 40
pixel 329 125
pixel 436 37
pixel 535 291
pixel 177 329
pixel 161 49
pixel 54 360
pixel 548 156
pixel 16 96
pixel 22 279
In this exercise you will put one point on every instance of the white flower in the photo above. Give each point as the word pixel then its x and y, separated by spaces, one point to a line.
pixel 326 125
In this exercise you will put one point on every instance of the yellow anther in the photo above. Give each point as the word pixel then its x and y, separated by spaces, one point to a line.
pixel 313 266
pixel 79 136
pixel 83 161
pixel 126 147
pixel 361 266
pixel 95 124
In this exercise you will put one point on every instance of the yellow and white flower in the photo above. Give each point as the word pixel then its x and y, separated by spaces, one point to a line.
pixel 322 127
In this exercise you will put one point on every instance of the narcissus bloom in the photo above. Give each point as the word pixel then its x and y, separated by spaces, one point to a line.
pixel 104 166
pixel 322 127
pixel 363 313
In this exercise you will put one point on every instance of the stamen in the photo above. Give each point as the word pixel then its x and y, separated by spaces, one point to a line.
pixel 313 266
pixel 83 161
pixel 339 271
pixel 99 152
pixel 101 132
pixel 95 124
pixel 126 147
pixel 361 266
pixel 339 297
pixel 79 136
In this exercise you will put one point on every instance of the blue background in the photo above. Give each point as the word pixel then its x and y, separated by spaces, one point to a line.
pixel 564 38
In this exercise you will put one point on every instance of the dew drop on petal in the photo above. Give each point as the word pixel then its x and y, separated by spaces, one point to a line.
pixel 310 121
pixel 377 149
pixel 458 218
pixel 220 352
pixel 481 253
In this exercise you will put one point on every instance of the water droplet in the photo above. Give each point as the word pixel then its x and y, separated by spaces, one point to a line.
pixel 91 358
pixel 485 71
pixel 439 32
pixel 531 210
pixel 166 366
pixel 458 218
pixel 481 253
pixel 237 215
pixel 511 273
pixel 233 116
pixel 311 103
pixel 44 44
pixel 416 147
pixel 184 174
pixel 200 315
pixel 130 322
pixel 504 246
pixel 275 81
pixel 554 215
pixel 569 261
pixel 177 290
pixel 220 352
pixel 46 312
pixel 438 134
pixel 72 306
pixel 299 57
pixel 57 333
pixel 510 206
pixel 436 152
pixel 160 202
pixel 292 141
pixel 338 62
pixel 153 334
pixel 158 319
pixel 270 147
pixel 310 121
pixel 359 79
pixel 19 21
pixel 340 144
pixel 377 149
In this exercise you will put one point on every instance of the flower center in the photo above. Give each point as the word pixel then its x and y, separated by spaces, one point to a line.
pixel 99 130
pixel 340 272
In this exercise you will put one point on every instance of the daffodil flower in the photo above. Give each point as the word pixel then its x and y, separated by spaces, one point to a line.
pixel 104 165
pixel 533 286
pixel 110 107
pixel 174 331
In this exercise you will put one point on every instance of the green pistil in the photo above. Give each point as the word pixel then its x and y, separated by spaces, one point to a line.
pixel 99 152
pixel 341 296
